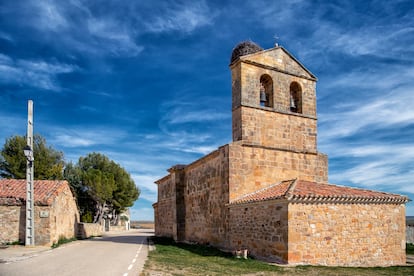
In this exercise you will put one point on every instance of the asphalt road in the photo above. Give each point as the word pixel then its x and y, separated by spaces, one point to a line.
pixel 114 254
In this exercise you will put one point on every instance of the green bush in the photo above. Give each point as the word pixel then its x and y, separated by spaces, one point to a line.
pixel 14 243
pixel 409 249
pixel 63 240
pixel 87 217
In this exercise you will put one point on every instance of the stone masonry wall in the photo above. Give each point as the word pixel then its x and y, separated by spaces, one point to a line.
pixel 165 219
pixel 206 193
pixel 246 86
pixel 64 216
pixel 255 167
pixel 280 59
pixel 86 230
pixel 10 221
pixel 13 224
pixel 276 130
pixel 347 234
pixel 261 229
pixel 42 226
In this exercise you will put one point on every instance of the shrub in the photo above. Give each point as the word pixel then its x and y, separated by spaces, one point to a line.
pixel 409 249
pixel 63 240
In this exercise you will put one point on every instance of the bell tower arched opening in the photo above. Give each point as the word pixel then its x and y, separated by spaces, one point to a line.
pixel 266 91
pixel 295 97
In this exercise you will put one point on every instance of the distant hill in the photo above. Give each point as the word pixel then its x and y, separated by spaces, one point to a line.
pixel 410 220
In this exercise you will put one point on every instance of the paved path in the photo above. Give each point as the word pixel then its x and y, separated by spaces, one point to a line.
pixel 122 253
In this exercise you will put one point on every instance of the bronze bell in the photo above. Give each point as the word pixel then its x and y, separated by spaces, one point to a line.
pixel 263 97
pixel 292 102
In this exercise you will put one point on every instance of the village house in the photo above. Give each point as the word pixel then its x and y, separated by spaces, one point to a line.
pixel 55 213
pixel 267 192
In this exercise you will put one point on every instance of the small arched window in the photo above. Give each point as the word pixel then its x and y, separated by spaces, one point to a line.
pixel 266 91
pixel 295 97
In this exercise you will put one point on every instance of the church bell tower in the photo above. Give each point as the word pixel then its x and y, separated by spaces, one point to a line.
pixel 273 99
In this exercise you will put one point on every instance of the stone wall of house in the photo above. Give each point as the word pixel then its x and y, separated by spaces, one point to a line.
pixel 206 194
pixel 42 225
pixel 261 229
pixel 255 167
pixel 346 234
pixel 164 209
pixel 13 224
pixel 64 216
pixel 11 220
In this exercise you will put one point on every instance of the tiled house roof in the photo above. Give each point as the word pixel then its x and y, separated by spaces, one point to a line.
pixel 307 191
pixel 13 191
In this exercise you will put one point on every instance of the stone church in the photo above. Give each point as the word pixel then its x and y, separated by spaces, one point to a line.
pixel 267 192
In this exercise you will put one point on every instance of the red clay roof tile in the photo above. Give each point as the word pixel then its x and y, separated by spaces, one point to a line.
pixel 299 190
pixel 13 191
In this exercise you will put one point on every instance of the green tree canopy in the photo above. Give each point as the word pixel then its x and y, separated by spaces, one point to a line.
pixel 48 162
pixel 98 180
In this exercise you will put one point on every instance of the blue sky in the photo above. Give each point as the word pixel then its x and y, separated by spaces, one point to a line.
pixel 147 83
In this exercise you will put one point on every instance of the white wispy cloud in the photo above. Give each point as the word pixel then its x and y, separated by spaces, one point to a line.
pixel 183 17
pixel 33 73
pixel 189 126
pixel 378 41
pixel 330 29
pixel 116 38
pixel 383 164
pixel 79 27
pixel 381 175
pixel 49 15
pixel 73 141
pixel 146 182
pixel 85 137
pixel 6 36
pixel 387 108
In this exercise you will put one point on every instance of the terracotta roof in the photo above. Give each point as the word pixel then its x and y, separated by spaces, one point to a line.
pixel 307 191
pixel 13 191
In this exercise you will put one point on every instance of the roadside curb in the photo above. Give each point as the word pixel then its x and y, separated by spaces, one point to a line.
pixel 151 246
pixel 19 253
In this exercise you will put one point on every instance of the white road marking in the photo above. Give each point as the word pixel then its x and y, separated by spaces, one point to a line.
pixel 135 259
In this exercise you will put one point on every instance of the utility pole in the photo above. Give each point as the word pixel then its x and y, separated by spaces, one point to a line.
pixel 28 152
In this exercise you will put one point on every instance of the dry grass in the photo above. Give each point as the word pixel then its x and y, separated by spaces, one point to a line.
pixel 171 258
pixel 147 225
pixel 142 224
